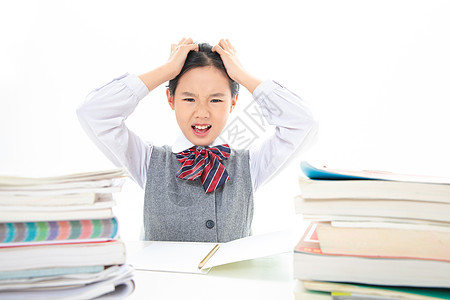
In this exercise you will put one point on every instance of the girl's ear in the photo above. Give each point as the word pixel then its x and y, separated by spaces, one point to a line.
pixel 170 99
pixel 233 102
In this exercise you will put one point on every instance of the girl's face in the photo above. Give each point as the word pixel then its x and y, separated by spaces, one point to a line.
pixel 202 104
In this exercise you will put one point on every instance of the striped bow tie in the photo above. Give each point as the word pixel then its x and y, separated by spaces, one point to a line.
pixel 204 162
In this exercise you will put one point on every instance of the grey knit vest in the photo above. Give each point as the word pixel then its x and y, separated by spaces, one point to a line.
pixel 179 210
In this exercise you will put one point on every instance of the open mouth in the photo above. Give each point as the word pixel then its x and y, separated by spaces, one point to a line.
pixel 201 129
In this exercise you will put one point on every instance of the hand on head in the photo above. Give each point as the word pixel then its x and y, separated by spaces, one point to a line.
pixel 228 54
pixel 178 54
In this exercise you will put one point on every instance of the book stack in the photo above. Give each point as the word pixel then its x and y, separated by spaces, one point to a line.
pixel 59 237
pixel 388 231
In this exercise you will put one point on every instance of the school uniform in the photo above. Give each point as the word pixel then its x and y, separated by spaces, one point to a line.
pixel 179 210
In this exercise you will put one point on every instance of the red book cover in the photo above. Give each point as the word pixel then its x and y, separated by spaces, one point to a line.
pixel 309 242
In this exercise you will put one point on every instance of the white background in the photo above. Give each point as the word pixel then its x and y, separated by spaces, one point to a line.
pixel 376 74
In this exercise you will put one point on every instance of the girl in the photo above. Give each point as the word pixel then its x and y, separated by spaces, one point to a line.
pixel 196 190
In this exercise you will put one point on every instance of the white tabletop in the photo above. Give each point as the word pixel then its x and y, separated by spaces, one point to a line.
pixel 263 278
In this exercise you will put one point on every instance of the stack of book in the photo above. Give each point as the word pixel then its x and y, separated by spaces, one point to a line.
pixel 374 228
pixel 59 237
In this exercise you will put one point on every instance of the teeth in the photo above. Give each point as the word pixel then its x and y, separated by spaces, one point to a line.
pixel 202 127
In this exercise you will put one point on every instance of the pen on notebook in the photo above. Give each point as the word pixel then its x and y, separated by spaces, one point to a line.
pixel 208 256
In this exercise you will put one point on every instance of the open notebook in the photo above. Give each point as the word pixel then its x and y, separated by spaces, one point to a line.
pixel 185 257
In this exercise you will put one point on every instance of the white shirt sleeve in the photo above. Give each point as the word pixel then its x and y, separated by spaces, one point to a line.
pixel 294 126
pixel 103 115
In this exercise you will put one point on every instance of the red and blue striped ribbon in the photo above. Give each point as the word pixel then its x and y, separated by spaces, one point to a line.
pixel 205 163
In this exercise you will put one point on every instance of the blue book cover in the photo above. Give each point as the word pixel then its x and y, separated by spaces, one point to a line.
pixel 325 173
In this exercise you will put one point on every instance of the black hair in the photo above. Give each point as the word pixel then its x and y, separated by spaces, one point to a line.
pixel 203 58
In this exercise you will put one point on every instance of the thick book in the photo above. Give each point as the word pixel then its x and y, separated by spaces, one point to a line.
pixel 68 279
pixel 37 216
pixel 417 210
pixel 115 282
pixel 48 272
pixel 310 263
pixel 330 184
pixel 301 293
pixel 62 255
pixel 27 233
pixel 47 200
pixel 384 242
pixel 100 209
pixel 26 189
pixel 394 223
pixel 325 173
pixel 45 192
pixel 107 289
pixel 11 181
pixel 359 291
pixel 374 189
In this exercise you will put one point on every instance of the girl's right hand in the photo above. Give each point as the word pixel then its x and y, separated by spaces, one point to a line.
pixel 178 54
pixel 172 67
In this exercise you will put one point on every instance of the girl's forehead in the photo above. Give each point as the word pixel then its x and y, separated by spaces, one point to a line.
pixel 204 80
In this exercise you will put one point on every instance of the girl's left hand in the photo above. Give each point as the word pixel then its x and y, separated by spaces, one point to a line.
pixel 229 58
pixel 233 66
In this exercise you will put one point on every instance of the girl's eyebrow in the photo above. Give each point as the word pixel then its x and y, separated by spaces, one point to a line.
pixel 217 95
pixel 189 94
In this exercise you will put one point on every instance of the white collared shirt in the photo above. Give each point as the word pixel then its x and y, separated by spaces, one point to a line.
pixel 103 115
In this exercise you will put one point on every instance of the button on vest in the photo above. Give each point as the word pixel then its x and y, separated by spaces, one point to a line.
pixel 209 224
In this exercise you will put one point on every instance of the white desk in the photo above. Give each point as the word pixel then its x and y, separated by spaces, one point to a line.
pixel 262 278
